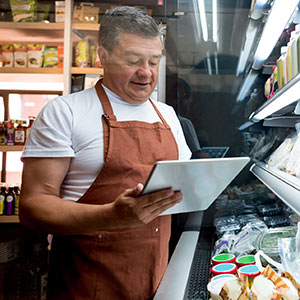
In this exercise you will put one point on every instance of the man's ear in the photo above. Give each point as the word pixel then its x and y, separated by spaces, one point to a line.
pixel 103 54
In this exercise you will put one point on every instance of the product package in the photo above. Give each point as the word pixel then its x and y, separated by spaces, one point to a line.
pixel 7 56
pixel 20 55
pixel 50 57
pixel 59 11
pixel 23 10
pixel 60 53
pixel 293 163
pixel 82 58
pixel 35 55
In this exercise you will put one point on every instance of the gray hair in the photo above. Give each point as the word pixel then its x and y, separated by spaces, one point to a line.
pixel 126 19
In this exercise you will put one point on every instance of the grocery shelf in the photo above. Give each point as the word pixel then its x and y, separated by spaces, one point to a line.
pixel 9 219
pixel 287 95
pixel 7 148
pixel 76 70
pixel 285 186
pixel 48 26
pixel 32 70
pixel 283 121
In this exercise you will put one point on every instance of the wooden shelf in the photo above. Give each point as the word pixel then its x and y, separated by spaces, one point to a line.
pixel 9 219
pixel 98 71
pixel 6 148
pixel 32 70
pixel 75 70
pixel 48 26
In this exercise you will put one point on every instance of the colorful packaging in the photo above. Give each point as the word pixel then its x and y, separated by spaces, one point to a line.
pixel 35 55
pixel 7 56
pixel 82 54
pixel 223 258
pixel 60 50
pixel 50 57
pixel 23 10
pixel 59 11
pixel 20 55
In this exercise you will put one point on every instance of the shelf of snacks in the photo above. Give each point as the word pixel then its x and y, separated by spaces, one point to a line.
pixel 77 70
pixel 7 148
pixel 284 185
pixel 9 219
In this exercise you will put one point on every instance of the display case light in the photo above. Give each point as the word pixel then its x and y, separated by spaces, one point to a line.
pixel 289 94
pixel 278 18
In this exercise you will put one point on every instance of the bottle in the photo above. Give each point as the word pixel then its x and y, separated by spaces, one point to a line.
pixel 3 139
pixel 17 198
pixel 10 201
pixel 2 199
pixel 294 54
pixel 20 133
pixel 282 67
pixel 31 120
pixel 289 62
pixel 10 132
pixel 273 82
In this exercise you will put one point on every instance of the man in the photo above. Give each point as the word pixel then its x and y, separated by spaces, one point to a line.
pixel 85 163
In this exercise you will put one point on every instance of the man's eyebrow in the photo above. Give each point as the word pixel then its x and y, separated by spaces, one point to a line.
pixel 129 52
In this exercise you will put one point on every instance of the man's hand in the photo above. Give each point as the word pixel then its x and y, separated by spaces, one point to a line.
pixel 131 209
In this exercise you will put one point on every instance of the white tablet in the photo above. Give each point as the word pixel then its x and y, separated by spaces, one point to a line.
pixel 201 181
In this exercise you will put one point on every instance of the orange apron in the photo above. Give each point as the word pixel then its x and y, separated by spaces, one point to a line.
pixel 117 264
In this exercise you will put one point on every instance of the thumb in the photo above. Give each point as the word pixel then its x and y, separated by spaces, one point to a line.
pixel 134 192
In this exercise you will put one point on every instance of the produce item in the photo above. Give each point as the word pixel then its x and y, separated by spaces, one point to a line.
pixel 50 57
pixel 23 10
pixel 82 54
pixel 248 273
pixel 59 11
pixel 223 258
pixel 7 56
pixel 20 56
pixel 35 55
pixel 224 268
pixel 245 260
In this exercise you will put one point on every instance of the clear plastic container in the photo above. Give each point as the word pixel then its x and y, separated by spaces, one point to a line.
pixel 267 241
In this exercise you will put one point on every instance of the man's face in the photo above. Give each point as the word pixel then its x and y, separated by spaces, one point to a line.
pixel 131 70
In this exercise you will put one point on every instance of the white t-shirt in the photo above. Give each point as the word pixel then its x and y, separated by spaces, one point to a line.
pixel 71 126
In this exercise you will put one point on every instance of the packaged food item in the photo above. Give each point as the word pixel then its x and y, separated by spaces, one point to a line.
pixel 35 55
pixel 245 260
pixel 277 221
pixel 267 241
pixel 293 164
pixel 23 10
pixel 7 56
pixel 50 57
pixel 223 258
pixel 20 56
pixel 224 268
pixel 82 54
pixel 248 273
pixel 60 53
pixel 214 287
pixel 234 290
pixel 270 209
pixel 262 288
pixel 59 11
pixel 223 276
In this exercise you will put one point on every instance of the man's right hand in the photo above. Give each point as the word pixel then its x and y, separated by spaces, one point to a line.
pixel 131 209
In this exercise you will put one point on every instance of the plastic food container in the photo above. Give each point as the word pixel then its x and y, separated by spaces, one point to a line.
pixel 267 241
pixel 214 287
pixel 223 258
pixel 225 268
pixel 248 273
pixel 245 260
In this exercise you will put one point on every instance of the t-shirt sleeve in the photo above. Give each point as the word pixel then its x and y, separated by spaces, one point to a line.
pixel 51 132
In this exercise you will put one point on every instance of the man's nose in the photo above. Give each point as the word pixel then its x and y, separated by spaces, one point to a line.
pixel 145 70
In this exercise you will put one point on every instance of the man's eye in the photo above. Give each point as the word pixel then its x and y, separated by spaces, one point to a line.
pixel 133 62
pixel 153 63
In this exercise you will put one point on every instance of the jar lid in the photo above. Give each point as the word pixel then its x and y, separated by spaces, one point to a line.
pixel 223 258
pixel 224 268
pixel 245 260
pixel 249 270
pixel 221 276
